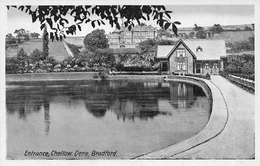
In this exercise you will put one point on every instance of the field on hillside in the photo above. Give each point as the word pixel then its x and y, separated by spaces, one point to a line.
pixel 56 49
pixel 234 36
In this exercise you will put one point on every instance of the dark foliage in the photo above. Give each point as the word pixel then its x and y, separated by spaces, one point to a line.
pixel 216 28
pixel 198 28
pixel 45 44
pixel 240 64
pixel 96 40
pixel 201 34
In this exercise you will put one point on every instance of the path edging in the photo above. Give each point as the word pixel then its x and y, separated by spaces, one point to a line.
pixel 215 125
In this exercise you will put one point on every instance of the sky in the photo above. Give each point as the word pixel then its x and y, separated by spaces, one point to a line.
pixel 188 15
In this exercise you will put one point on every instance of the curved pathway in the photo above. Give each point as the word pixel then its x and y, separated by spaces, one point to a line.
pixel 228 135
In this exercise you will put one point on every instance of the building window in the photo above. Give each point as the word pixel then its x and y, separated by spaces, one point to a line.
pixel 128 33
pixel 215 65
pixel 143 34
pixel 114 40
pixel 150 33
pixel 198 49
pixel 181 66
pixel 128 40
pixel 181 53
pixel 206 65
pixel 136 40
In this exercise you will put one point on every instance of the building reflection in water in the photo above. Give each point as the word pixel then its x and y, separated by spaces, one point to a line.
pixel 141 108
pixel 188 96
pixel 21 104
pixel 181 94
pixel 128 100
pixel 28 101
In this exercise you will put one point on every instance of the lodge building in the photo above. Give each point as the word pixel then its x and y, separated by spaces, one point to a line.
pixel 198 56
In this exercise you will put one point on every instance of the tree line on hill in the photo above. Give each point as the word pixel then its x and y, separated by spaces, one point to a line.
pixel 200 32
pixel 21 35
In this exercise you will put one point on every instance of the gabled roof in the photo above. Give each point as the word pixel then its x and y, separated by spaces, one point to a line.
pixel 166 51
pixel 163 51
pixel 211 49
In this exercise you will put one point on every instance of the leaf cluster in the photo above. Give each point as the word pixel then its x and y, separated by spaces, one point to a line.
pixel 56 17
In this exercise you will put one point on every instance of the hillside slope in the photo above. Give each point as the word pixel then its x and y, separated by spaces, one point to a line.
pixel 56 49
pixel 234 36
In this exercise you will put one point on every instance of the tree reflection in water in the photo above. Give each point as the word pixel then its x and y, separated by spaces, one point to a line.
pixel 128 100
pixel 131 117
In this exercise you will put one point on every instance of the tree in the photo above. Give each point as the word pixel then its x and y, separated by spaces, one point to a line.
pixel 10 39
pixel 21 34
pixel 96 39
pixel 192 34
pixel 216 28
pixel 36 55
pixel 246 45
pixel 34 35
pixel 55 17
pixel 21 55
pixel 163 32
pixel 248 68
pixel 248 28
pixel 201 34
pixel 11 65
pixel 22 60
pixel 9 36
pixel 45 44
pixel 198 28
pixel 99 57
pixel 149 45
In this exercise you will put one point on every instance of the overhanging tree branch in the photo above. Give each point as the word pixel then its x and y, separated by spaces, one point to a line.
pixel 55 17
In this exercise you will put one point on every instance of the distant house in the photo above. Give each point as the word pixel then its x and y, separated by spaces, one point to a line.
pixel 123 38
pixel 192 56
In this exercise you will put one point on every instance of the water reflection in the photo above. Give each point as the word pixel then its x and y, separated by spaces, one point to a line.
pixel 146 115
pixel 47 121
pixel 128 100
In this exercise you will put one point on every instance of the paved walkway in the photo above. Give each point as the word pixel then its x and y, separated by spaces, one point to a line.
pixel 233 139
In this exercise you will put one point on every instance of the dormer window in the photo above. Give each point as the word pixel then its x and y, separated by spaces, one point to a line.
pixel 199 49
pixel 181 52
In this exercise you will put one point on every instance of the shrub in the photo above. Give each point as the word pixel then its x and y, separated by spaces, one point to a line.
pixel 11 65
pixel 36 55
